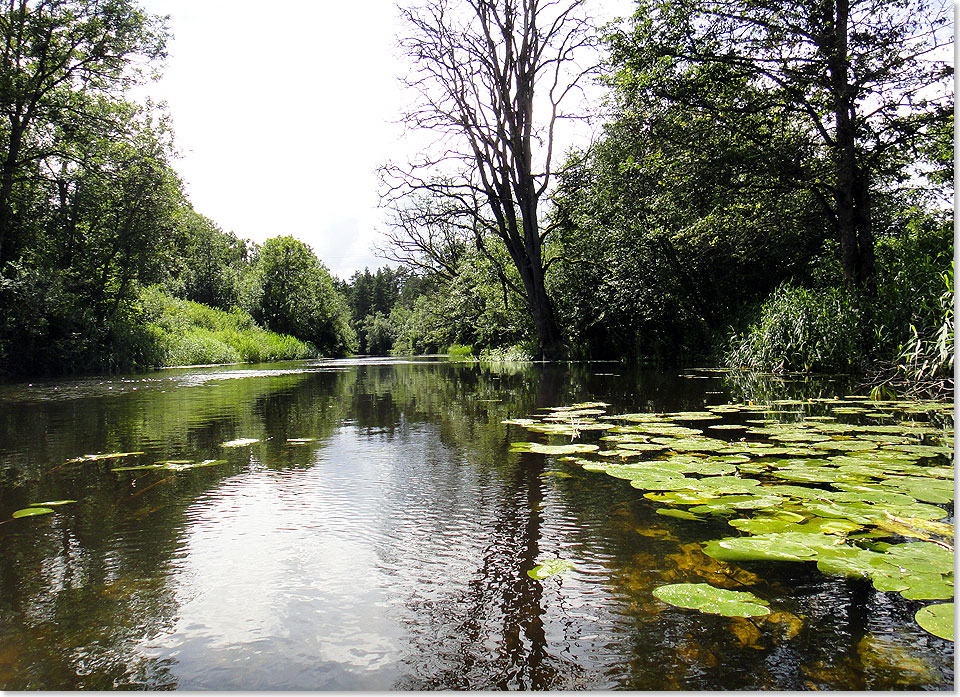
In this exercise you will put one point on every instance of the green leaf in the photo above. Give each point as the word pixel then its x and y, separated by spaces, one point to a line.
pixel 107 456
pixel 550 568
pixel 54 503
pixel 716 601
pixel 29 512
pixel 568 449
pixel 937 619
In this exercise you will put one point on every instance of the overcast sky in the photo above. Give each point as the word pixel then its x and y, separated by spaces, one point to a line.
pixel 282 113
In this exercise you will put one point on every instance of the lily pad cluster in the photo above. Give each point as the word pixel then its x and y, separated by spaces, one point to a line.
pixel 172 465
pixel 854 485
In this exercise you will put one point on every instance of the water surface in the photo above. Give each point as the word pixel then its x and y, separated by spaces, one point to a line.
pixel 391 550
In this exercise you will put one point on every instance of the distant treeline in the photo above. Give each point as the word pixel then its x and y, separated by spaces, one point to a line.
pixel 706 223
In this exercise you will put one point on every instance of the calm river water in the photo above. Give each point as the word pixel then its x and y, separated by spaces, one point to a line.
pixel 391 550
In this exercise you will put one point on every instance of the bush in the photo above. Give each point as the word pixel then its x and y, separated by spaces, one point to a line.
pixel 459 352
pixel 188 333
pixel 819 330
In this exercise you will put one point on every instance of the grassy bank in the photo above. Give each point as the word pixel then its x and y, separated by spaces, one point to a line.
pixel 188 333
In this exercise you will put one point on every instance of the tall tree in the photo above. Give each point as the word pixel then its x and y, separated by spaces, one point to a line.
pixel 869 79
pixel 56 57
pixel 484 71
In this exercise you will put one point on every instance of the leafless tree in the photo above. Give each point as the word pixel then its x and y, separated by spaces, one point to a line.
pixel 491 76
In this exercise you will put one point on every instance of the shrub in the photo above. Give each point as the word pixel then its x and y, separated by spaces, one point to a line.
pixel 819 330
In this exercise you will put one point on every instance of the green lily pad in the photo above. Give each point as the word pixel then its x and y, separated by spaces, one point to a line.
pixel 927 587
pixel 550 568
pixel 921 557
pixel 937 620
pixel 716 601
pixel 567 449
pixel 783 546
pixel 30 512
pixel 678 513
pixel 728 504
pixel 683 497
pixel 107 456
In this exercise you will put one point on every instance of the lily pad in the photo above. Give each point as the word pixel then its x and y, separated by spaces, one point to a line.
pixel 550 568
pixel 783 546
pixel 937 619
pixel 568 449
pixel 716 601
pixel 239 442
pixel 106 456
pixel 29 512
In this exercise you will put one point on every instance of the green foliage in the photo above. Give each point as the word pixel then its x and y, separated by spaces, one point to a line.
pixel 459 352
pixel 473 308
pixel 379 334
pixel 667 227
pixel 209 263
pixel 189 333
pixel 818 330
pixel 296 296
pixel 370 295
pixel 907 325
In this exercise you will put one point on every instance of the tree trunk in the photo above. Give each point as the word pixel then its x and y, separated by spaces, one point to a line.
pixel 854 223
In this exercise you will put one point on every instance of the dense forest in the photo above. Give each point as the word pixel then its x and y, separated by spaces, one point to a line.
pixel 771 189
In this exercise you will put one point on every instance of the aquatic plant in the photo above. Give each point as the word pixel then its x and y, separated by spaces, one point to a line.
pixel 851 484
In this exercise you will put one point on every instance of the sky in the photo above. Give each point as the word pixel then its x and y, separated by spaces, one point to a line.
pixel 282 114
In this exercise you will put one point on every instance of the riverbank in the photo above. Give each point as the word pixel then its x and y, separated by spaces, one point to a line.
pixel 183 332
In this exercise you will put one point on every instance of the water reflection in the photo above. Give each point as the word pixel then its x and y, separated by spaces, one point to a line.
pixel 390 550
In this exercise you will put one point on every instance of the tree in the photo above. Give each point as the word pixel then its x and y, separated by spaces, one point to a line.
pixel 666 226
pixel 484 69
pixel 57 57
pixel 210 262
pixel 297 297
pixel 867 78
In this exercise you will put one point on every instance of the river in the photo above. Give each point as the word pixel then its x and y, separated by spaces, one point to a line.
pixel 375 533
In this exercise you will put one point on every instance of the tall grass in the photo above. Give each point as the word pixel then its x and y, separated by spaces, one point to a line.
pixel 189 333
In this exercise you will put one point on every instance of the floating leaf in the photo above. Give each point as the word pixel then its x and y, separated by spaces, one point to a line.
pixel 54 503
pixel 240 442
pixel 927 587
pixel 937 619
pixel 550 568
pixel 177 467
pixel 678 513
pixel 29 512
pixel 158 466
pixel 107 456
pixel 567 449
pixel 784 546
pixel 716 601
